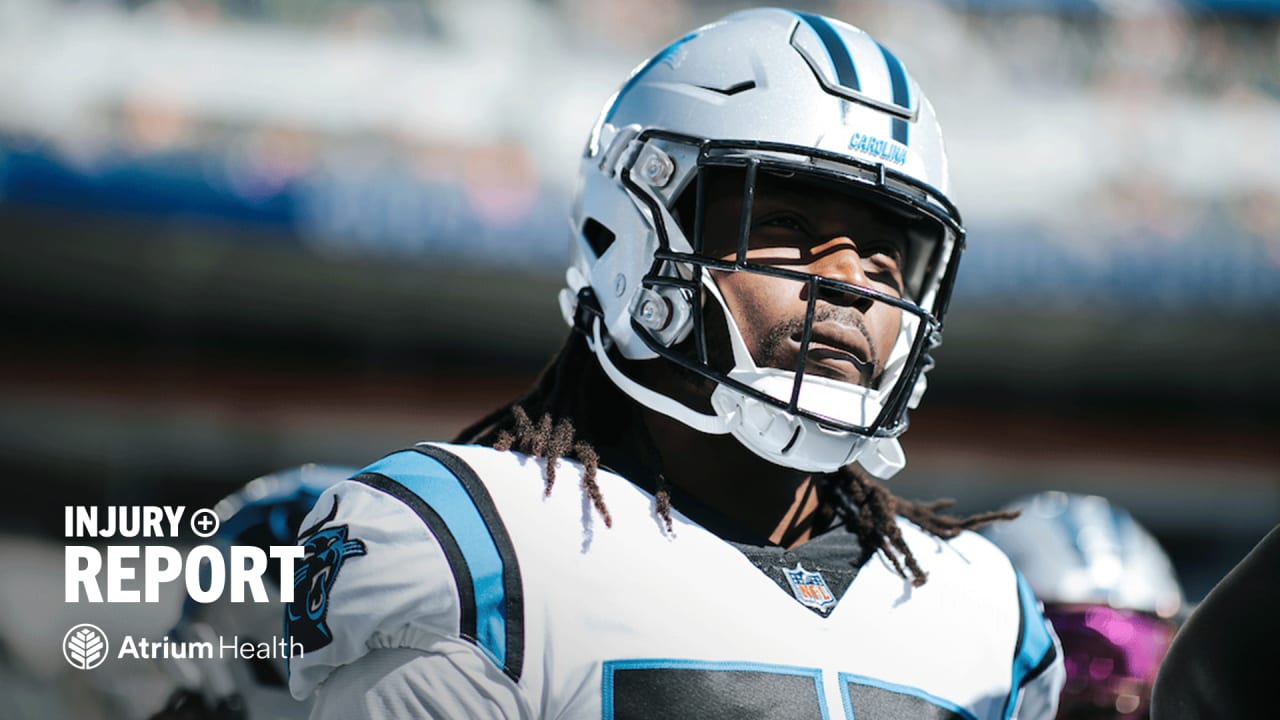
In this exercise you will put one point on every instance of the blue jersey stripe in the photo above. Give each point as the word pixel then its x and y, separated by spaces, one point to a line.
pixel 727 666
pixel 1035 645
pixel 443 491
pixel 513 586
pixel 837 51
pixel 901 92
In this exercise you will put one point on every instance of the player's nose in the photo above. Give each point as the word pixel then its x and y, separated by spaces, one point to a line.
pixel 838 259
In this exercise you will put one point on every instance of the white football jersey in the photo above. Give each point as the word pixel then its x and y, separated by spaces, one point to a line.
pixel 443 582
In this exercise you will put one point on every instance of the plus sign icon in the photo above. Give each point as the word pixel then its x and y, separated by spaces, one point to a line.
pixel 204 522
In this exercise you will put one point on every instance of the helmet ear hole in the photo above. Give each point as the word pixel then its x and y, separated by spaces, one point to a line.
pixel 598 237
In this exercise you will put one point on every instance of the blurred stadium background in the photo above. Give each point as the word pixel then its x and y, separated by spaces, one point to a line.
pixel 240 235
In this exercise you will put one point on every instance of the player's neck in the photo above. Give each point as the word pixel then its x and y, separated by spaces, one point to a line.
pixel 773 503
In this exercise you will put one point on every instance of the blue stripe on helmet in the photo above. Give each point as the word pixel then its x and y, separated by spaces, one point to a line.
pixel 841 60
pixel 665 54
pixel 901 92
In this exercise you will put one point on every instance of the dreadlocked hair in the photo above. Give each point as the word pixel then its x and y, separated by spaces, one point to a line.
pixel 558 431
pixel 579 409
pixel 871 511
pixel 552 442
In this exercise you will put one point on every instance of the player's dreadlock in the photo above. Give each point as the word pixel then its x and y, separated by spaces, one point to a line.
pixel 869 510
pixel 559 430
pixel 579 409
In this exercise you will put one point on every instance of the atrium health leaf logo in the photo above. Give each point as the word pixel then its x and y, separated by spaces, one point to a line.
pixel 85 646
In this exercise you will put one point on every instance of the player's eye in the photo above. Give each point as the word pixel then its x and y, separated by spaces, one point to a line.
pixel 788 222
pixel 884 256
pixel 882 263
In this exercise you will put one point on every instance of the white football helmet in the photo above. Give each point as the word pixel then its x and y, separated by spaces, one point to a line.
pixel 1083 549
pixel 793 96
pixel 1109 590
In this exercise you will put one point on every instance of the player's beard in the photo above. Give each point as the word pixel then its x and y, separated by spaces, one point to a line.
pixel 774 350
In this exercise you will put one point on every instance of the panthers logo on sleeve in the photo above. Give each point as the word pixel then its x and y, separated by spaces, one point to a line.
pixel 325 551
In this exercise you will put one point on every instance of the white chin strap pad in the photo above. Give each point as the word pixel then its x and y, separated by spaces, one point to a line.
pixel 800 443
pixel 883 458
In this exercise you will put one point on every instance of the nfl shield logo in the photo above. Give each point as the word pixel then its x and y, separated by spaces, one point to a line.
pixel 810 589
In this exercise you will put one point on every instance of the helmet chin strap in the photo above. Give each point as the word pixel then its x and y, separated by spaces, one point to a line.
pixel 710 424
pixel 883 458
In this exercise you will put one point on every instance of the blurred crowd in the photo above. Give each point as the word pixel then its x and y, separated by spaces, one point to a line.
pixel 449 129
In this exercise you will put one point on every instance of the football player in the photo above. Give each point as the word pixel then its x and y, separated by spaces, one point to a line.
pixel 1109 590
pixel 763 250
pixel 266 512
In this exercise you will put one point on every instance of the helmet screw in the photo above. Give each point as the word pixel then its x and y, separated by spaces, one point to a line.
pixel 658 169
pixel 654 310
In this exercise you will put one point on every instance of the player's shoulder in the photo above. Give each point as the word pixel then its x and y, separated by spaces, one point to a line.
pixel 475 466
pixel 455 488
pixel 968 566
pixel 428 464
pixel 976 581
pixel 966 556
pixel 418 549
pixel 410 551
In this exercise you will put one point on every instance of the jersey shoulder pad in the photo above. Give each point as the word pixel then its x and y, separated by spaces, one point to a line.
pixel 408 553
pixel 971 566
pixel 1038 671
